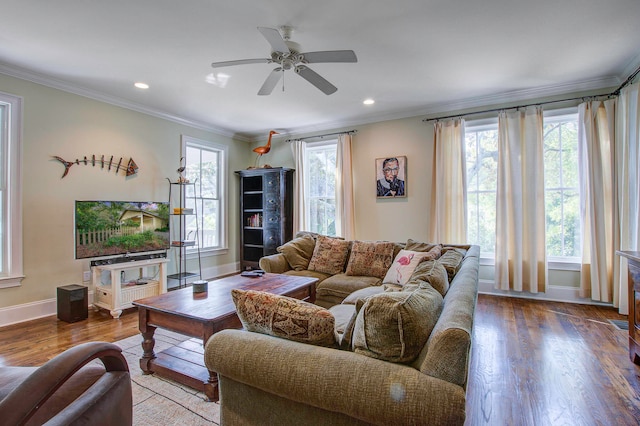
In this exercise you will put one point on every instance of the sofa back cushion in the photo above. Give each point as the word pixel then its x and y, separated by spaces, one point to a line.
pixel 370 258
pixel 451 259
pixel 394 326
pixel 432 272
pixel 329 255
pixel 298 252
pixel 284 317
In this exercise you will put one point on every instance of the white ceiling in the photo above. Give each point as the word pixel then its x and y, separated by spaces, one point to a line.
pixel 414 56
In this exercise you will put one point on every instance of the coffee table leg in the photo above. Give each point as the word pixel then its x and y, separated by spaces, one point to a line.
pixel 211 387
pixel 148 342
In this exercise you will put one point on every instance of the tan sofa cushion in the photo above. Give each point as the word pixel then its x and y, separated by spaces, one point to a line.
pixel 363 293
pixel 284 317
pixel 433 272
pixel 414 245
pixel 298 252
pixel 342 285
pixel 451 260
pixel 370 258
pixel 394 326
pixel 345 316
pixel 329 255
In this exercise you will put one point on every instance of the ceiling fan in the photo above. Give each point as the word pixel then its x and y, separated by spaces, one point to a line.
pixel 287 55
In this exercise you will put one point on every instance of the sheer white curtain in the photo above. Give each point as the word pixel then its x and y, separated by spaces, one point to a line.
pixel 449 193
pixel 299 216
pixel 520 263
pixel 598 207
pixel 627 151
pixel 345 210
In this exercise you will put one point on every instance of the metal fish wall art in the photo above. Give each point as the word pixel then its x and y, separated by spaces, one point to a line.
pixel 130 169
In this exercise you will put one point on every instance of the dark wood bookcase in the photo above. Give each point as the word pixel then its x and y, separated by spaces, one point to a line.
pixel 266 213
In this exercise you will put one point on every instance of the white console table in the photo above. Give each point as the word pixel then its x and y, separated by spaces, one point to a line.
pixel 115 296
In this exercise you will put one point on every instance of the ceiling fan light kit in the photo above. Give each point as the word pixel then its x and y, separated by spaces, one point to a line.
pixel 286 54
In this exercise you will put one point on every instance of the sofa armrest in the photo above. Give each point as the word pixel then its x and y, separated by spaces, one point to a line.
pixel 275 263
pixel 364 388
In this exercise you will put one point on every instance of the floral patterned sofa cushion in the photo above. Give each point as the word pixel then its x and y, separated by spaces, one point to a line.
pixel 284 317
pixel 370 258
pixel 329 255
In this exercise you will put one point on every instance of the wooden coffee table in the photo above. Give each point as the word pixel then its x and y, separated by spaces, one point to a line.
pixel 201 315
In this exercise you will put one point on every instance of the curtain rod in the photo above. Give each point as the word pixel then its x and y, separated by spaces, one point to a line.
pixel 608 95
pixel 350 132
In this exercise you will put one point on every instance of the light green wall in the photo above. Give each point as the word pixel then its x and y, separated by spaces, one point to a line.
pixel 71 126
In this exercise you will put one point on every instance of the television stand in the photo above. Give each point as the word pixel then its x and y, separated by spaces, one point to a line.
pixel 117 295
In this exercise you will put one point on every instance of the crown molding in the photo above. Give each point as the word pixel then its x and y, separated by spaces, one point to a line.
pixel 466 104
pixel 426 110
pixel 65 86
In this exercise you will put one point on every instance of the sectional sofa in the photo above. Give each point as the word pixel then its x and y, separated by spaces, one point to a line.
pixel 400 353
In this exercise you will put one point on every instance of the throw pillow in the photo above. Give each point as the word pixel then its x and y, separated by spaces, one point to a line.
pixel 432 272
pixel 394 326
pixel 329 255
pixel 451 260
pixel 370 258
pixel 284 317
pixel 403 266
pixel 418 245
pixel 298 252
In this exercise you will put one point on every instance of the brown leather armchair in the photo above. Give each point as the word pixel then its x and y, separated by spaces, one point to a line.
pixel 69 389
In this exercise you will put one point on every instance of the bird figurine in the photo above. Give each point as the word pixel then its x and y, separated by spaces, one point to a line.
pixel 181 169
pixel 261 150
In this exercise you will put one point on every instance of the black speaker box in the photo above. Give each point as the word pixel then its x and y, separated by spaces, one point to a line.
pixel 73 303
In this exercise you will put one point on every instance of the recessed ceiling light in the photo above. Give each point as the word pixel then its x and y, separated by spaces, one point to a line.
pixel 141 85
pixel 368 102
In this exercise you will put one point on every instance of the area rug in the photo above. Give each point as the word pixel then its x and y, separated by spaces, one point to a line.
pixel 158 401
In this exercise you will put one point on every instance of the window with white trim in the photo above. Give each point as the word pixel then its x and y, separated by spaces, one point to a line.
pixel 320 187
pixel 481 142
pixel 11 272
pixel 560 131
pixel 206 165
pixel 562 199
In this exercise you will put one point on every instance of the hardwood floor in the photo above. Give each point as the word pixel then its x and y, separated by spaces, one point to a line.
pixel 542 363
pixel 532 363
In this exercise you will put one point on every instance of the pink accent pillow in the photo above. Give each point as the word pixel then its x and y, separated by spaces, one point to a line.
pixel 403 266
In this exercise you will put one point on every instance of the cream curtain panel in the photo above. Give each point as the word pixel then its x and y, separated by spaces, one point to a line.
pixel 345 210
pixel 627 151
pixel 449 190
pixel 520 263
pixel 299 216
pixel 596 141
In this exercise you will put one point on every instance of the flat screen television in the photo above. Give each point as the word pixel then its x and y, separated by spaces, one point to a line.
pixel 112 228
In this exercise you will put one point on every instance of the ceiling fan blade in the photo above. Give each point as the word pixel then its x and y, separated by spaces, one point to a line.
pixel 240 62
pixel 270 82
pixel 316 79
pixel 330 56
pixel 275 39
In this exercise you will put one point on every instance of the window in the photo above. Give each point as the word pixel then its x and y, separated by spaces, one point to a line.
pixel 10 190
pixel 206 165
pixel 481 144
pixel 560 131
pixel 562 200
pixel 320 187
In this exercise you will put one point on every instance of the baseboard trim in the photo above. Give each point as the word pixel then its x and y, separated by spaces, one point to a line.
pixel 48 307
pixel 553 294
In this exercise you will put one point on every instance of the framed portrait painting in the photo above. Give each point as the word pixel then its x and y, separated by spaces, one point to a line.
pixel 391 175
